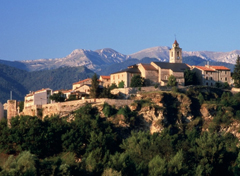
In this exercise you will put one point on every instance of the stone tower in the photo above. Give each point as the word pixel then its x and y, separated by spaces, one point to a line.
pixel 175 54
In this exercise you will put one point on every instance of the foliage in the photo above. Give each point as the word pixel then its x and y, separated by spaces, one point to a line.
pixel 21 106
pixel 113 86
pixel 59 97
pixel 137 81
pixel 171 81
pixel 72 97
pixel 121 84
pixel 190 77
pixel 94 90
pixel 236 73
pixel 92 145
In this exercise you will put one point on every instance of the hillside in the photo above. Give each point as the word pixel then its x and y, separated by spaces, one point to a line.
pixel 20 82
pixel 193 131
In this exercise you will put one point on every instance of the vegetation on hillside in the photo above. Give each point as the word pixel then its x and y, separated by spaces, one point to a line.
pixel 114 142
pixel 20 82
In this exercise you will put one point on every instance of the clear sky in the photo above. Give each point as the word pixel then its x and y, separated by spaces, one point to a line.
pixel 35 29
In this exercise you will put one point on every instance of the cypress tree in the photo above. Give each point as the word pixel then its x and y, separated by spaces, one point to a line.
pixel 236 73
pixel 94 90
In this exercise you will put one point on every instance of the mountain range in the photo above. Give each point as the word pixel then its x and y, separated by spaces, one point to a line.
pixel 30 75
pixel 99 59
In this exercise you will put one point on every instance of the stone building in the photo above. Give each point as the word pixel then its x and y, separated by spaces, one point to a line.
pixel 167 69
pixel 125 75
pixel 39 97
pixel 105 80
pixel 155 72
pixel 209 75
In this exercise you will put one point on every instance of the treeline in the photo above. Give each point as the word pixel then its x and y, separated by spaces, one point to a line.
pixel 91 145
pixel 20 82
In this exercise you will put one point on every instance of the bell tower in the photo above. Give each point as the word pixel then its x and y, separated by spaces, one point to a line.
pixel 175 54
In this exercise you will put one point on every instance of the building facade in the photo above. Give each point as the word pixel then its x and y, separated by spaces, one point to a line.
pixel 209 75
pixel 39 97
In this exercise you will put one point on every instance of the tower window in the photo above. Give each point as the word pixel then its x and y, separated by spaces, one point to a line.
pixel 178 54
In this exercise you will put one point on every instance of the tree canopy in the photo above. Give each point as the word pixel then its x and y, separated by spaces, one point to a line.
pixel 137 81
pixel 172 81
pixel 94 90
pixel 236 73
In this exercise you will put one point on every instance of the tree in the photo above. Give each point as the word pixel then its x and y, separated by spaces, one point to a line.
pixel 236 73
pixel 137 81
pixel 21 106
pixel 190 77
pixel 121 84
pixel 59 97
pixel 113 86
pixel 94 90
pixel 171 81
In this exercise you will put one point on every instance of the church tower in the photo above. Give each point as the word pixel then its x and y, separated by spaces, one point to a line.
pixel 175 54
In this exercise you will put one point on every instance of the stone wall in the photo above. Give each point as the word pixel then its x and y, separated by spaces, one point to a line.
pixel 64 108
pixel 11 109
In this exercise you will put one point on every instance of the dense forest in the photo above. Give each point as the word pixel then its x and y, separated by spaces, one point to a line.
pixel 103 140
pixel 20 82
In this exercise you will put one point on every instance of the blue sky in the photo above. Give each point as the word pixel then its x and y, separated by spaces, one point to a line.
pixel 35 29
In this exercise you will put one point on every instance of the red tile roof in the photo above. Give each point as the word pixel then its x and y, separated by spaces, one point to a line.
pixel 82 81
pixel 204 68
pixel 219 68
pixel 105 77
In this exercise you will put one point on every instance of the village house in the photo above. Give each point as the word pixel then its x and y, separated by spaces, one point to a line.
pixel 38 97
pixel 209 75
pixel 106 82
pixel 125 75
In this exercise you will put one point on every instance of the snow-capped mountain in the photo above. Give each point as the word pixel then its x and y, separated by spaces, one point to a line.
pixel 96 60
pixel 162 53
pixel 79 57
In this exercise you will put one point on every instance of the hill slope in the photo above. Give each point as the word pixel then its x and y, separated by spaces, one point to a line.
pixel 20 82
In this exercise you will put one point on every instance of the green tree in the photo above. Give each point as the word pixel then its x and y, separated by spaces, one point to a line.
pixel 113 86
pixel 137 81
pixel 190 77
pixel 59 97
pixel 21 105
pixel 121 84
pixel 171 81
pixel 94 90
pixel 236 73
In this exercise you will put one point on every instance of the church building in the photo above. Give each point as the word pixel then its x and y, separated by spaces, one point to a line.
pixel 155 72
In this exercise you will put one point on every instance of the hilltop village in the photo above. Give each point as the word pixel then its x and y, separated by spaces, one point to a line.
pixel 161 128
pixel 154 73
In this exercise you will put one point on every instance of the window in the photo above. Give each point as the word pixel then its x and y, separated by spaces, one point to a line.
pixel 178 54
pixel 206 78
pixel 210 78
pixel 225 72
pixel 226 79
pixel 207 84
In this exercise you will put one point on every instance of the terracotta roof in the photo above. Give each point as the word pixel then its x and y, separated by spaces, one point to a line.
pixel 219 68
pixel 148 67
pixel 82 81
pixel 175 42
pixel 204 68
pixel 105 77
pixel 42 90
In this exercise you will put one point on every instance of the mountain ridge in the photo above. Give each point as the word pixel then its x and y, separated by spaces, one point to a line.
pixel 101 58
